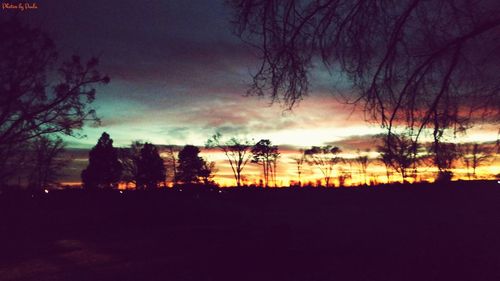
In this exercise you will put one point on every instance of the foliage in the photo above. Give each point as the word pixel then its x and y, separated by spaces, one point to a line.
pixel 104 170
pixel 207 172
pixel 150 167
pixel 444 176
pixel 266 154
pixel 325 158
pixel 190 167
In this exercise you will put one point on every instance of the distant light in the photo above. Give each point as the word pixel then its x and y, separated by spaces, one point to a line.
pixel 220 191
pixel 121 191
pixel 180 190
pixel 46 190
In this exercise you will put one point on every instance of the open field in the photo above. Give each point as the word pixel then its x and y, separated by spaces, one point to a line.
pixel 424 232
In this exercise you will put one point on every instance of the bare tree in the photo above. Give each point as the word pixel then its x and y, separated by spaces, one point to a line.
pixel 363 161
pixel 299 161
pixel 344 175
pixel 325 158
pixel 236 150
pixel 427 65
pixel 31 105
pixel 386 158
pixel 129 157
pixel 172 162
pixel 398 152
pixel 473 156
pixel 46 161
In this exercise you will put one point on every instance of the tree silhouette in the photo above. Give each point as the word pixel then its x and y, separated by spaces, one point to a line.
pixel 207 172
pixel 363 162
pixel 237 153
pixel 299 161
pixel 104 170
pixel 429 65
pixel 129 158
pixel 172 163
pixel 398 151
pixel 325 158
pixel 31 105
pixel 344 175
pixel 385 156
pixel 444 156
pixel 190 165
pixel 474 155
pixel 266 154
pixel 150 167
pixel 45 163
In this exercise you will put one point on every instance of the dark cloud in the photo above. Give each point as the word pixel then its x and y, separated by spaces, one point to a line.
pixel 361 142
pixel 178 74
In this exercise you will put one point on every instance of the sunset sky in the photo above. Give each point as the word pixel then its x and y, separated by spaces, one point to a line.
pixel 178 75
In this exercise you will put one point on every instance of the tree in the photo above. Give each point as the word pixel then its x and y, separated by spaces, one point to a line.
pixel 207 172
pixel 150 167
pixel 266 154
pixel 104 170
pixel 45 163
pixel 172 163
pixel 129 158
pixel 190 165
pixel 420 64
pixel 362 161
pixel 398 151
pixel 38 98
pixel 237 152
pixel 444 156
pixel 299 161
pixel 325 158
pixel 385 156
pixel 474 155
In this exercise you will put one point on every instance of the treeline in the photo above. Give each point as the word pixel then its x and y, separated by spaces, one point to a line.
pixel 142 167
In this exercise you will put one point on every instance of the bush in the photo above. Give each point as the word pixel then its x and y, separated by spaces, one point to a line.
pixel 444 176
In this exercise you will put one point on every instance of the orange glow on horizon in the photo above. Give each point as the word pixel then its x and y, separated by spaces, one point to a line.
pixel 287 174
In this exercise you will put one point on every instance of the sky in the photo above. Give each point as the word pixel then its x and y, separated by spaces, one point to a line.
pixel 179 74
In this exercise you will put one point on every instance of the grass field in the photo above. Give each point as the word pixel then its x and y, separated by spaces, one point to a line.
pixel 421 232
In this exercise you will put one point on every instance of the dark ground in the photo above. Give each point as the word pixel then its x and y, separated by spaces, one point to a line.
pixel 382 233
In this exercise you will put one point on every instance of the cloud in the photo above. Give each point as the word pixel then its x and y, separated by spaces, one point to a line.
pixel 361 142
